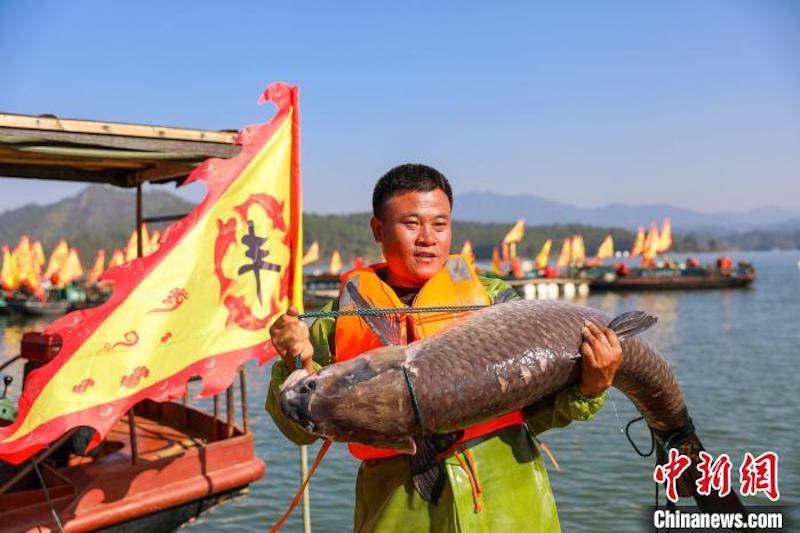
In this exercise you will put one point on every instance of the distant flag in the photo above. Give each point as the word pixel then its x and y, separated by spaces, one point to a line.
pixel 8 276
pixel 28 268
pixel 665 238
pixel 57 256
pixel 71 269
pixel 199 306
pixel 651 246
pixel 578 252
pixel 512 238
pixel 117 258
pixel 565 255
pixel 466 251
pixel 516 233
pixel 97 268
pixel 638 244
pixel 312 255
pixel 155 239
pixel 38 254
pixel 606 248
pixel 131 250
pixel 336 262
pixel 544 255
pixel 496 261
pixel 504 256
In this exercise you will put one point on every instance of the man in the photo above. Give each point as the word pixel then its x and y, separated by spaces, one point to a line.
pixel 495 477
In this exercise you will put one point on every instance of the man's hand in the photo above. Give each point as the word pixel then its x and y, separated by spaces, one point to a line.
pixel 602 356
pixel 289 336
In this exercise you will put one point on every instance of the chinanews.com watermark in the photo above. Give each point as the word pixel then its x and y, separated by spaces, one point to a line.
pixel 689 518
pixel 757 476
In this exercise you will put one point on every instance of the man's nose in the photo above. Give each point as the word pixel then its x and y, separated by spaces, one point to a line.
pixel 427 235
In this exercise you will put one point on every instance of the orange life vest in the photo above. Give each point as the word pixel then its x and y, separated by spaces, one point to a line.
pixel 456 284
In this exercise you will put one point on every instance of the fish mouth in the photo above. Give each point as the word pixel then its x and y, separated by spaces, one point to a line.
pixel 295 400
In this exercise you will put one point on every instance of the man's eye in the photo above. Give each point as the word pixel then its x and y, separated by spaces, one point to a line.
pixel 411 223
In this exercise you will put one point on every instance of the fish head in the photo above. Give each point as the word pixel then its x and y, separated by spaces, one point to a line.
pixel 364 400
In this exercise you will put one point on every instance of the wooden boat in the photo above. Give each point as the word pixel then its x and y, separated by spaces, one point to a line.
pixel 320 288
pixel 153 472
pixel 644 279
pixel 35 307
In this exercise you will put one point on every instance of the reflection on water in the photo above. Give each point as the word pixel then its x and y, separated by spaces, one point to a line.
pixel 734 353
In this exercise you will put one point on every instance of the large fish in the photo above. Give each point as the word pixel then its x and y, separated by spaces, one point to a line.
pixel 502 358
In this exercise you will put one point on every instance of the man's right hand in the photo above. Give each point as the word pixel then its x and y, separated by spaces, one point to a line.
pixel 289 335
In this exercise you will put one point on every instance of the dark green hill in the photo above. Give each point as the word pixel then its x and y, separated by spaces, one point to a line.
pixel 103 217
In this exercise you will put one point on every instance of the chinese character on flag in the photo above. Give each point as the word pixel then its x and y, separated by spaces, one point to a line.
pixel 760 474
pixel 714 474
pixel 200 305
pixel 670 471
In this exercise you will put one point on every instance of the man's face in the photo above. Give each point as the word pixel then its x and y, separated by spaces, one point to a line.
pixel 414 231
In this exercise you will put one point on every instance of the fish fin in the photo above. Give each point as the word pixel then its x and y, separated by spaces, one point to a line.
pixel 632 323
pixel 407 445
pixel 427 473
pixel 387 330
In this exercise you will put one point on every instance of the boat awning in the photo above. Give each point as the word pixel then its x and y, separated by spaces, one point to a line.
pixel 125 155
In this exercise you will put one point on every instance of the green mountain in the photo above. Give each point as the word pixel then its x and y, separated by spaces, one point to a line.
pixel 103 217
pixel 98 217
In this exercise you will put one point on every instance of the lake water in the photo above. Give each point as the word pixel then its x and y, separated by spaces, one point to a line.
pixel 735 353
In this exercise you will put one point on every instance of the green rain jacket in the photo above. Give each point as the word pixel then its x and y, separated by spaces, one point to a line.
pixel 516 494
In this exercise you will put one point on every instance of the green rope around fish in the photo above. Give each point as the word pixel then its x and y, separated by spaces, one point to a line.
pixel 378 311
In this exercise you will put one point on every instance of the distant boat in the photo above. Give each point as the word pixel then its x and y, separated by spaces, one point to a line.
pixel 658 279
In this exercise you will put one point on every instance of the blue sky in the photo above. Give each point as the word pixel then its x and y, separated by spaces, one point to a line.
pixel 696 104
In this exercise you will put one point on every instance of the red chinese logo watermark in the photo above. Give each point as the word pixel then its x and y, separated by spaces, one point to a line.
pixel 756 474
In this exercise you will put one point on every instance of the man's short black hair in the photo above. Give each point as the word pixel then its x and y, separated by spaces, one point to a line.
pixel 408 177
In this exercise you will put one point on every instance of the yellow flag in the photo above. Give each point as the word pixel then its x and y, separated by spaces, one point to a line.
pixel 565 255
pixel 466 251
pixel 57 256
pixel 496 261
pixel 97 268
pixel 9 276
pixel 200 305
pixel 336 262
pixel 665 238
pixel 312 255
pixel 651 246
pixel 606 248
pixel 638 244
pixel 544 255
pixel 117 258
pixel 38 254
pixel 578 252
pixel 516 233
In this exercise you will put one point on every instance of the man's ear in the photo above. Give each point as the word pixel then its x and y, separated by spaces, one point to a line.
pixel 377 229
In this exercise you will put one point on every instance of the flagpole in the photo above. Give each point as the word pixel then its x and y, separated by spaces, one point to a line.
pixel 306 500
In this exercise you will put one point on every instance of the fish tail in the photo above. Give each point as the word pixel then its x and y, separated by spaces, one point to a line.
pixel 691 447
pixel 632 323
pixel 427 473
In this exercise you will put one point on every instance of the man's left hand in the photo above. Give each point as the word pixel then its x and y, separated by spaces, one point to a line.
pixel 602 356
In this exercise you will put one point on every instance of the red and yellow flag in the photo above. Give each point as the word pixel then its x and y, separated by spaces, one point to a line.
pixel 38 254
pixel 665 238
pixel 312 255
pixel 638 244
pixel 466 251
pixel 578 252
pixel 9 277
pixel 200 305
pixel 71 269
pixel 57 256
pixel 97 268
pixel 336 262
pixel 496 262
pixel 651 246
pixel 117 258
pixel 544 255
pixel 516 233
pixel 606 248
pixel 565 255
